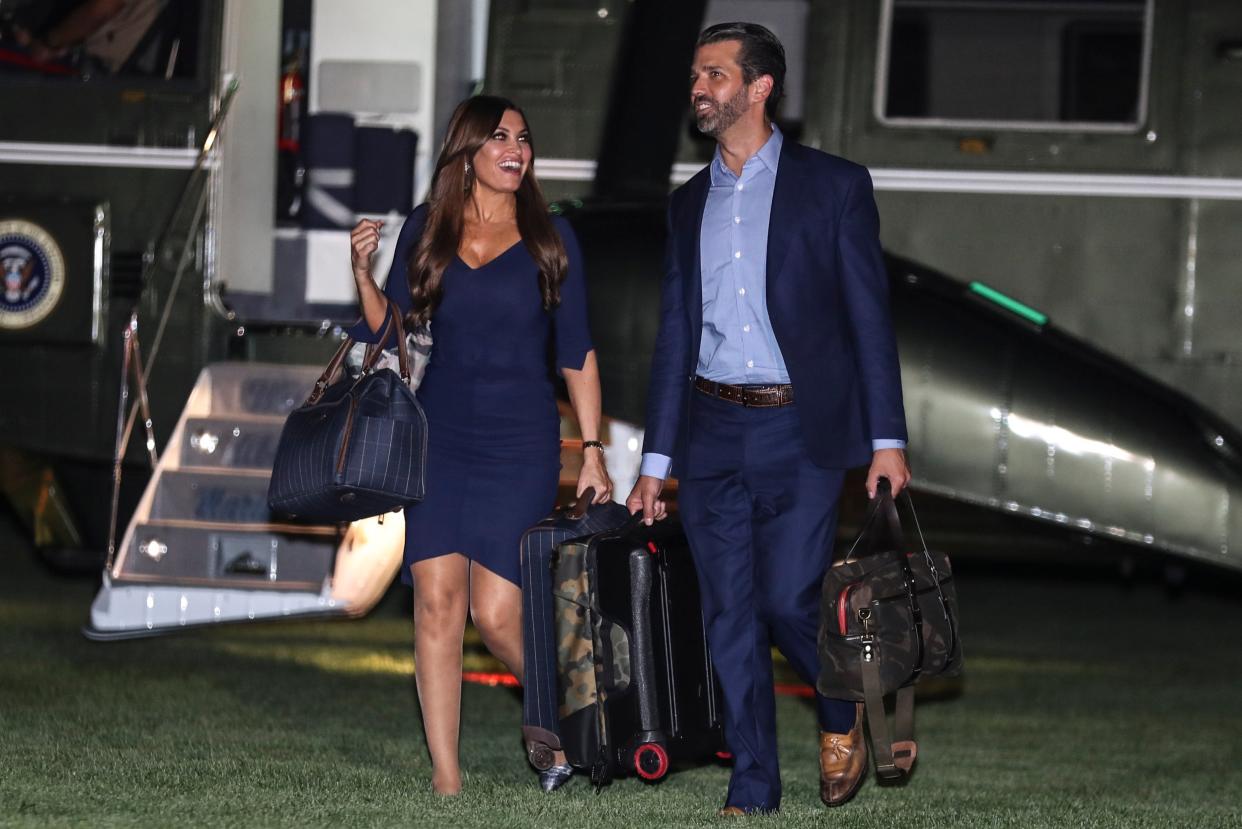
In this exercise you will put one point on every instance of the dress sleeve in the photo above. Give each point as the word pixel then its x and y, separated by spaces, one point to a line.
pixel 573 333
pixel 397 287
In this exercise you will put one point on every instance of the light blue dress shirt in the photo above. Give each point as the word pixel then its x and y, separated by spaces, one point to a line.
pixel 739 346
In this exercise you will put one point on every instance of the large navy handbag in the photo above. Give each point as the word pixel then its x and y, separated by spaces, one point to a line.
pixel 357 447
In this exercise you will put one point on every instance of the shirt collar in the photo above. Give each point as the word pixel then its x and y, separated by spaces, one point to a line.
pixel 769 156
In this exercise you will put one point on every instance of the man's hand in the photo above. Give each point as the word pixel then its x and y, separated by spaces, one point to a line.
pixel 645 496
pixel 891 464
pixel 36 48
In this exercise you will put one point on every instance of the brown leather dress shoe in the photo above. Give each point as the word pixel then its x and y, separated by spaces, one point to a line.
pixel 842 763
pixel 731 811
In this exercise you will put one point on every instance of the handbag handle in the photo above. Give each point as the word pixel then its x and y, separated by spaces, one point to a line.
pixel 334 365
pixel 882 505
pixel 403 355
pixel 883 502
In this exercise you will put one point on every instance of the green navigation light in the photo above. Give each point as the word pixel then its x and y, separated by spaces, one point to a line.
pixel 1009 303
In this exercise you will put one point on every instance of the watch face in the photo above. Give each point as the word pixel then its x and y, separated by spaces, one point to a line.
pixel 33 270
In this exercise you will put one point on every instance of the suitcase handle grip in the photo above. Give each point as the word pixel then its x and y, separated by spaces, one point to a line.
pixel 579 507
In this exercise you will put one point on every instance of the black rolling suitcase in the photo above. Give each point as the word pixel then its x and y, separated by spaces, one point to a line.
pixel 636 688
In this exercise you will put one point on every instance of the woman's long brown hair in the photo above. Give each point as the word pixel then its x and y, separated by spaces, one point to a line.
pixel 473 123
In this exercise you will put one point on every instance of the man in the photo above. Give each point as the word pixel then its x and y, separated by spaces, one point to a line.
pixel 775 370
pixel 107 31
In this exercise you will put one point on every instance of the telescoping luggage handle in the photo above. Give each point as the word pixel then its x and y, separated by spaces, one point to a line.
pixel 893 757
pixel 392 321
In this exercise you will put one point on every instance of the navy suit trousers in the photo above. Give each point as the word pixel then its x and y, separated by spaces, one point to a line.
pixel 761 520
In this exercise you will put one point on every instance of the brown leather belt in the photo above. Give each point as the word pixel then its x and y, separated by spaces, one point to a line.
pixel 754 396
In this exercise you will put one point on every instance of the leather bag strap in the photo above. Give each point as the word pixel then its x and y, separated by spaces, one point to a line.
pixel 373 351
pixel 935 577
pixel 881 507
pixel 403 353
pixel 893 757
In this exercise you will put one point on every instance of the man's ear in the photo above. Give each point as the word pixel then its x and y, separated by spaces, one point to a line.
pixel 761 88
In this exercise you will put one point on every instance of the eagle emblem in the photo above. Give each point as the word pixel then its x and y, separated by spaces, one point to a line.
pixel 19 267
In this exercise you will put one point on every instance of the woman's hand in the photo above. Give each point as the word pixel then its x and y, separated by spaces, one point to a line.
pixel 364 241
pixel 594 474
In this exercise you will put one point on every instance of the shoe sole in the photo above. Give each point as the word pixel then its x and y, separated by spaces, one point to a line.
pixel 832 804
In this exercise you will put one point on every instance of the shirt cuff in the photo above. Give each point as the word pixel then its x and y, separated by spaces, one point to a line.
pixel 887 443
pixel 655 465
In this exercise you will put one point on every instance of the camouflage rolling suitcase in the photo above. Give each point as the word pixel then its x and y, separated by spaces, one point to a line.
pixel 539 649
pixel 637 690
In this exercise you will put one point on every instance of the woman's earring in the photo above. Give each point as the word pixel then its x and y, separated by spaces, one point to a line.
pixel 469 177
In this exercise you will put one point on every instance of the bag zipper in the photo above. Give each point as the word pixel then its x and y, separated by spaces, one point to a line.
pixel 843 605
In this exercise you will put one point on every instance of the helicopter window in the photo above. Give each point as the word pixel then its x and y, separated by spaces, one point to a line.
pixel 140 41
pixel 1033 64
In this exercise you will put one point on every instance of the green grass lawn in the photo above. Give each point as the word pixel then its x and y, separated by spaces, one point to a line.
pixel 1083 705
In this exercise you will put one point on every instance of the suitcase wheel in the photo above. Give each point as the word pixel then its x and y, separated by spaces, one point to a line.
pixel 540 756
pixel 651 761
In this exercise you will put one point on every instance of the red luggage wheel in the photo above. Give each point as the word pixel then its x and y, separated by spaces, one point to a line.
pixel 651 761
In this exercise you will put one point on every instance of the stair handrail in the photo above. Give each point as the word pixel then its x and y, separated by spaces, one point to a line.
pixel 131 361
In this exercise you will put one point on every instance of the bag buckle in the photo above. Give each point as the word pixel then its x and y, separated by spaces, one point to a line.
pixel 868 640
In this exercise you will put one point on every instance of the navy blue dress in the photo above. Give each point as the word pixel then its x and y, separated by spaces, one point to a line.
pixel 493 448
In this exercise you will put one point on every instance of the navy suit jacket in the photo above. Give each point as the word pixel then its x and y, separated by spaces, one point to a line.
pixel 827 293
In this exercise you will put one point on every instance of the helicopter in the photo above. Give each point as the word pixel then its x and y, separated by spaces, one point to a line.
pixel 1060 273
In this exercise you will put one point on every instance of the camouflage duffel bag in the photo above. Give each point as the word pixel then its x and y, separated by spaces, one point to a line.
pixel 888 618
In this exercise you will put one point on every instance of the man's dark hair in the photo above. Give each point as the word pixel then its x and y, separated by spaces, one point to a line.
pixel 761 54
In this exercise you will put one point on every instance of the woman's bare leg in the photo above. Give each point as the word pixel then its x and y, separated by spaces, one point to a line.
pixel 496 608
pixel 441 600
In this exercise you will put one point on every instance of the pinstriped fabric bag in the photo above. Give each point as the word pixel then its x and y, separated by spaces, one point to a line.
pixel 357 447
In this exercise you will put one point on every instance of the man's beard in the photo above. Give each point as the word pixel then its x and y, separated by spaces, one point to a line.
pixel 715 121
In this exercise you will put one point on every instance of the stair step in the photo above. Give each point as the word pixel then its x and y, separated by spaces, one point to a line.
pixel 280 528
pixel 224 555
pixel 212 495
pixel 239 442
pixel 258 388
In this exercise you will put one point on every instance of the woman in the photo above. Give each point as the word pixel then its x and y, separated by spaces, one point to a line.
pixel 500 280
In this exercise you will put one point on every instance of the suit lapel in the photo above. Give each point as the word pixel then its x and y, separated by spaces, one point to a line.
pixel 783 221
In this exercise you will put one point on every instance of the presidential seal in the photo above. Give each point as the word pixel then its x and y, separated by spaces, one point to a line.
pixel 34 274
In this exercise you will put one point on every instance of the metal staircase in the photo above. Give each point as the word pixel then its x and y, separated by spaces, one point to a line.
pixel 202 548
